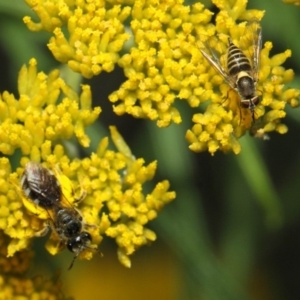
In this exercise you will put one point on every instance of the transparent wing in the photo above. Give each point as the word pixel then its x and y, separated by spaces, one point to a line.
pixel 216 54
pixel 70 197
pixel 251 43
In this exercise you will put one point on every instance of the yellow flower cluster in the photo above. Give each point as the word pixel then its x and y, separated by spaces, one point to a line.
pixel 39 115
pixel 14 286
pixel 87 35
pixel 224 120
pixel 47 111
pixel 111 181
pixel 165 64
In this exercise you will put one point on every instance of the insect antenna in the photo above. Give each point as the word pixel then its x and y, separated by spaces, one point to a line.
pixel 72 262
pixel 76 255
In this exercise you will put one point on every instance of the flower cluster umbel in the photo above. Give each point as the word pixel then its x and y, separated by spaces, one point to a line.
pixel 14 286
pixel 47 113
pixel 164 64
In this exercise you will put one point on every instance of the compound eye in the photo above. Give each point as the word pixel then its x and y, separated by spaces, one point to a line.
pixel 75 244
pixel 80 242
pixel 256 100
pixel 85 237
pixel 245 104
pixel 72 245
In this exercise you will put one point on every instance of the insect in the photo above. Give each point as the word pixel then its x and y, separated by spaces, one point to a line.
pixel 239 70
pixel 42 188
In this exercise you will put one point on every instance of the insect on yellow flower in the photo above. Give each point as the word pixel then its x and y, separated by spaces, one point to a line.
pixel 41 187
pixel 239 68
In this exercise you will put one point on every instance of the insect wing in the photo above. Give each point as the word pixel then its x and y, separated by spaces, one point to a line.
pixel 68 198
pixel 210 49
pixel 41 213
pixel 251 43
pixel 40 186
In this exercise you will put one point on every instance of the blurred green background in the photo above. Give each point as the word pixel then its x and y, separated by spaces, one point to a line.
pixel 233 231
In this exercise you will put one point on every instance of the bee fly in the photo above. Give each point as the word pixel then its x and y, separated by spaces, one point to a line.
pixel 240 71
pixel 42 188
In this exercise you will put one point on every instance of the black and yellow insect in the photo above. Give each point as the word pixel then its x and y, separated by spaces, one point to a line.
pixel 42 188
pixel 240 68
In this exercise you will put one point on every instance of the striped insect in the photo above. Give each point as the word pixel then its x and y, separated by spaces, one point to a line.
pixel 240 67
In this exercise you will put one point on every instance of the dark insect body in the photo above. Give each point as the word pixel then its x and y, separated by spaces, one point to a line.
pixel 239 70
pixel 42 188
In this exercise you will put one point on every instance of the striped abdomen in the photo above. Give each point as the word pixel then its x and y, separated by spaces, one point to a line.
pixel 236 60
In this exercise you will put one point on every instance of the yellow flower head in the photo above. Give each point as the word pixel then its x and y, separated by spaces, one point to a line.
pixel 103 192
pixel 87 36
pixel 14 286
pixel 164 65
pixel 167 64
pixel 47 110
pixel 17 264
pixel 215 129
pixel 108 179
